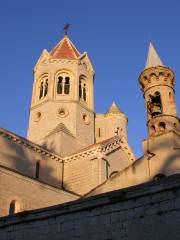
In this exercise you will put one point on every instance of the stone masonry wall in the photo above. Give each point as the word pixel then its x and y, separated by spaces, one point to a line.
pixel 28 192
pixel 148 211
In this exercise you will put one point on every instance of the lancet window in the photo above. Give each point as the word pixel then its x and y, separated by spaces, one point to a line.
pixel 43 89
pixel 83 89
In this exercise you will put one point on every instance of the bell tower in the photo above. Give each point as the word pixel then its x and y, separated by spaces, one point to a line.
pixel 157 83
pixel 63 99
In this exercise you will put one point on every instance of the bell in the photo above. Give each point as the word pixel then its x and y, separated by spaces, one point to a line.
pixel 156 109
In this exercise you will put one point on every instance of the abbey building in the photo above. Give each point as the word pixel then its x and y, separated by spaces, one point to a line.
pixel 72 152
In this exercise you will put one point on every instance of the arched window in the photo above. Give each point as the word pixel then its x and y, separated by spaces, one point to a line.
pixel 37 169
pixel 63 84
pixel 14 207
pixel 43 88
pixel 60 85
pixel 82 89
pixel 66 85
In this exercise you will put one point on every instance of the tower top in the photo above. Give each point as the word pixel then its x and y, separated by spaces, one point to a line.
pixel 65 49
pixel 153 58
pixel 114 110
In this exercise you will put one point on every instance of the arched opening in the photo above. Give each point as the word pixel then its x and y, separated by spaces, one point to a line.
pixel 154 105
pixel 83 89
pixel 162 126
pixel 14 207
pixel 63 84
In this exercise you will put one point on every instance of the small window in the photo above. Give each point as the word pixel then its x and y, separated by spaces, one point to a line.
pixel 37 169
pixel 84 92
pixel 63 85
pixel 14 207
pixel 99 132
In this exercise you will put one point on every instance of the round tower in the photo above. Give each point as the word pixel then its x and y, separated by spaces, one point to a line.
pixel 157 83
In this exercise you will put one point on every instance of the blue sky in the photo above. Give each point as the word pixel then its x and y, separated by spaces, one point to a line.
pixel 115 34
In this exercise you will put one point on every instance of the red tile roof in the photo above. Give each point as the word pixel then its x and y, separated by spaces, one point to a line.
pixel 65 49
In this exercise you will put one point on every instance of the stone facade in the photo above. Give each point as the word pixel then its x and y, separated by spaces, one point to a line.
pixel 72 152
pixel 148 211
pixel 28 192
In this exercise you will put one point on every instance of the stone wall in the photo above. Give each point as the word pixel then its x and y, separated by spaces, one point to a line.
pixel 148 211
pixel 28 193
pixel 18 154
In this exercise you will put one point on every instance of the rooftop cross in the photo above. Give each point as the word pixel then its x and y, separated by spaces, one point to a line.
pixel 65 28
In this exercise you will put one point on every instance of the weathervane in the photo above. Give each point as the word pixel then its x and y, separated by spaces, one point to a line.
pixel 65 28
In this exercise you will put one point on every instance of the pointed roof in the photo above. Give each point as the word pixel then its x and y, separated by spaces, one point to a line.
pixel 114 109
pixel 65 49
pixel 153 58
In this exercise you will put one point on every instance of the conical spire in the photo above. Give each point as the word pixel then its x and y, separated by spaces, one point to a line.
pixel 153 58
pixel 114 109
pixel 65 49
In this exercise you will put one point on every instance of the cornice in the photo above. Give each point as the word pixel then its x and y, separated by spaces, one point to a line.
pixel 28 144
pixel 104 148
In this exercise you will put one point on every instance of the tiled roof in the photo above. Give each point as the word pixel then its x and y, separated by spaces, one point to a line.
pixel 65 49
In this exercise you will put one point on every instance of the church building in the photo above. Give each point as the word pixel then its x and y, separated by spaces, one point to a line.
pixel 70 151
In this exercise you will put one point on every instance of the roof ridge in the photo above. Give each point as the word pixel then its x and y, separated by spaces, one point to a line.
pixel 101 144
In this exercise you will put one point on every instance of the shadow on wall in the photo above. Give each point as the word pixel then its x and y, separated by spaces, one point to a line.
pixel 24 160
pixel 166 154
